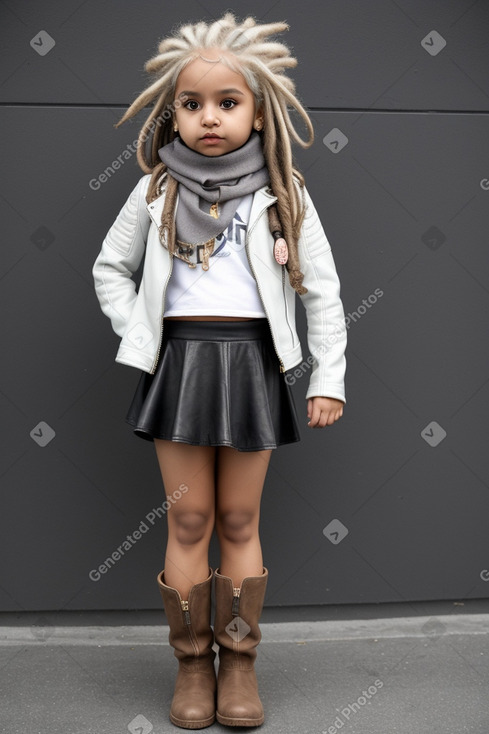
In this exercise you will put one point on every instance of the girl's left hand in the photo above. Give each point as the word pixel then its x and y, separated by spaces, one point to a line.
pixel 323 411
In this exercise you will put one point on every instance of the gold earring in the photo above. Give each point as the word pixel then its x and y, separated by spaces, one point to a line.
pixel 175 127
pixel 258 125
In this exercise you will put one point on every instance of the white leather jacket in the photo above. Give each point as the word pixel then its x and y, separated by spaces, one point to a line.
pixel 137 314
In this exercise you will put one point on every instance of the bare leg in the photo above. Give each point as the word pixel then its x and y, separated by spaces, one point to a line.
pixel 240 479
pixel 191 518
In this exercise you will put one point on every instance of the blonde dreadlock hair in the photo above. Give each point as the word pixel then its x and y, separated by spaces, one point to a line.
pixel 262 63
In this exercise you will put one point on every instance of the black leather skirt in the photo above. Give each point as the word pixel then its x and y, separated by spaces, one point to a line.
pixel 217 383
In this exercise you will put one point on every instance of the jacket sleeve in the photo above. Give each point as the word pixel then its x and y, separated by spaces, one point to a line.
pixel 122 251
pixel 326 329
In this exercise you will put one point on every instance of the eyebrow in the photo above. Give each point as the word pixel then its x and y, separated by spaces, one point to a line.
pixel 189 93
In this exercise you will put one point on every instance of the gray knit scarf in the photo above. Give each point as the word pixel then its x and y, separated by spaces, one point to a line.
pixel 209 179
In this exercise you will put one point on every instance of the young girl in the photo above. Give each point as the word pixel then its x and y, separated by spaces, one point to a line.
pixel 229 234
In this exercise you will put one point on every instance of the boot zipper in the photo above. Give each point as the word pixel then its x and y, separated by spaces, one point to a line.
pixel 235 606
pixel 188 622
pixel 186 613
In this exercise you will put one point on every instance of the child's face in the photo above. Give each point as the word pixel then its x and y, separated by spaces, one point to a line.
pixel 219 101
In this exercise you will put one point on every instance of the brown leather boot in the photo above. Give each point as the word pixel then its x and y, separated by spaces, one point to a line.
pixel 237 633
pixel 191 636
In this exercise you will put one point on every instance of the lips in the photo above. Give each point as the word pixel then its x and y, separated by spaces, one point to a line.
pixel 211 135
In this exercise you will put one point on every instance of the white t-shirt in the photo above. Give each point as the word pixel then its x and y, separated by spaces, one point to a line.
pixel 228 288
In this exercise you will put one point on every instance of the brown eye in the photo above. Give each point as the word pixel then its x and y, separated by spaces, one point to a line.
pixel 228 104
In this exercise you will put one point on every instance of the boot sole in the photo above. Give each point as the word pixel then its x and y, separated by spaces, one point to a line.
pixel 228 721
pixel 185 724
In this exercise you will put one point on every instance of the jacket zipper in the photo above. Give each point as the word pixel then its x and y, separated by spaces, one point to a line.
pixel 285 303
pixel 282 368
pixel 153 369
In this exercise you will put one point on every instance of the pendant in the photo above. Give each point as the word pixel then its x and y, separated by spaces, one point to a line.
pixel 280 251
pixel 214 211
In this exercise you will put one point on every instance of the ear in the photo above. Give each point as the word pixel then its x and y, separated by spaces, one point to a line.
pixel 258 121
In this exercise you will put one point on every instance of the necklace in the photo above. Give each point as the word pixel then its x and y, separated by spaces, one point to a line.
pixel 185 250
pixel 207 252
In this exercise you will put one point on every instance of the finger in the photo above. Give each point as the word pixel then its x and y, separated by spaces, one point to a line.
pixel 314 416
pixel 321 419
pixel 328 418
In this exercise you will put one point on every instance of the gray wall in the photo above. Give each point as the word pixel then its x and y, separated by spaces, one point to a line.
pixel 404 204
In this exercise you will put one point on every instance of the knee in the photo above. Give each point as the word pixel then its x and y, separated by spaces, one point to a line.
pixel 237 526
pixel 190 527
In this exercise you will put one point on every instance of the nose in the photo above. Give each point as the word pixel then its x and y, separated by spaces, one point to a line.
pixel 209 116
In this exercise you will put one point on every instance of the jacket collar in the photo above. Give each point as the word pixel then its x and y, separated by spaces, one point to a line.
pixel 262 199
